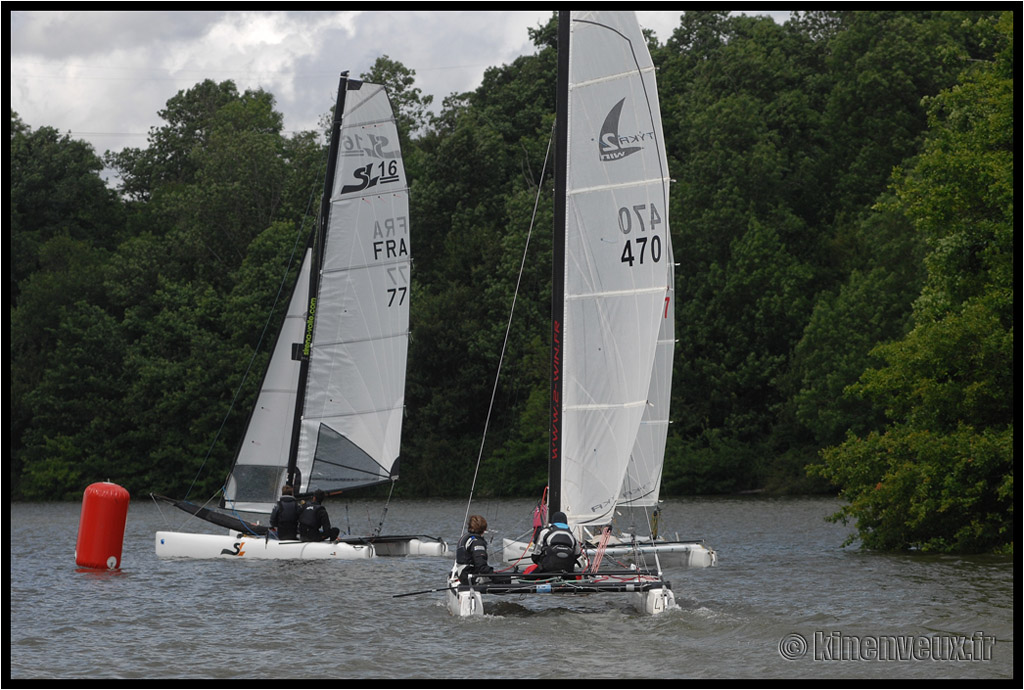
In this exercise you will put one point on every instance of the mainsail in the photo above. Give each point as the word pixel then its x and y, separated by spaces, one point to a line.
pixel 329 412
pixel 617 264
pixel 642 486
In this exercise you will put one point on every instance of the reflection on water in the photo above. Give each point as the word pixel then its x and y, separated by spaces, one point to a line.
pixel 783 577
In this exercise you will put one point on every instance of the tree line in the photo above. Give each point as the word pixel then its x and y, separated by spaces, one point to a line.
pixel 842 213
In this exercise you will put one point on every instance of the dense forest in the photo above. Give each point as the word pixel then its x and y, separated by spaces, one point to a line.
pixel 842 215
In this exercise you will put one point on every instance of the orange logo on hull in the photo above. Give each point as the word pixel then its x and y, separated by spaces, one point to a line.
pixel 237 551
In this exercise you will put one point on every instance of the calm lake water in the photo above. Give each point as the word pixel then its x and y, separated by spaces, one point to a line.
pixel 786 601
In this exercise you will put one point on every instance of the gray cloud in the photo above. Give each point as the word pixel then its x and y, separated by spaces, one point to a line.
pixel 103 76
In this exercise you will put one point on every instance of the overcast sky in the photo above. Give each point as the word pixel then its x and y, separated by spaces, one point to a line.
pixel 103 76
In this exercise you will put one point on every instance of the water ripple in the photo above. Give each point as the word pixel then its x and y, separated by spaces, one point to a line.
pixel 782 572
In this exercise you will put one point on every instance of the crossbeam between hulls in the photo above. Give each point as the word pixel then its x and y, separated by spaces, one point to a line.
pixel 567 583
pixel 564 587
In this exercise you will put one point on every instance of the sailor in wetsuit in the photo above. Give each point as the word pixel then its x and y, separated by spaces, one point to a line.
pixel 471 553
pixel 314 524
pixel 556 547
pixel 285 515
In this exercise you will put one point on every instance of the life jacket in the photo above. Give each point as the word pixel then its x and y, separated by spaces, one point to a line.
pixel 465 562
pixel 558 552
pixel 463 556
pixel 288 510
pixel 309 521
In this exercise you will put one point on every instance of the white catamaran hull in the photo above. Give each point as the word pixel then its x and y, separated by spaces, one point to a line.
pixel 683 554
pixel 413 546
pixel 204 546
pixel 464 604
pixel 654 601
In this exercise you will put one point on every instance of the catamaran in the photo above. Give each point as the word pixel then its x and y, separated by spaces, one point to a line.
pixel 611 326
pixel 329 411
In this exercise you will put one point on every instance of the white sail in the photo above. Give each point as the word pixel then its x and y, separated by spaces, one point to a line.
pixel 260 467
pixel 618 258
pixel 355 392
pixel 642 485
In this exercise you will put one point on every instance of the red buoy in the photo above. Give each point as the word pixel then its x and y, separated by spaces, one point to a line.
pixel 101 529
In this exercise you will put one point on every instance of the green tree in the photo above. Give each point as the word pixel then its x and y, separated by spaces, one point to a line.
pixel 411 106
pixel 795 262
pixel 204 271
pixel 64 223
pixel 189 118
pixel 740 98
pixel 76 432
pixel 873 305
pixel 175 322
pixel 882 63
pixel 939 476
pixel 55 191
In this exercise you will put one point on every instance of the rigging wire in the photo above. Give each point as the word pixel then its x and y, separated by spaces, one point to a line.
pixel 380 525
pixel 266 327
pixel 508 328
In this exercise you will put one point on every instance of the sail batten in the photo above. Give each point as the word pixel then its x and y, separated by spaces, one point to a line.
pixel 352 467
pixel 615 293
pixel 621 185
pixel 326 419
pixel 353 341
pixel 607 406
pixel 353 269
pixel 612 77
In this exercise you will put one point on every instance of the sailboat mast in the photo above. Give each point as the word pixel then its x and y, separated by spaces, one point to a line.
pixel 316 243
pixel 558 266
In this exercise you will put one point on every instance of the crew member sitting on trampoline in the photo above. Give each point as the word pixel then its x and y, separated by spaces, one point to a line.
pixel 556 548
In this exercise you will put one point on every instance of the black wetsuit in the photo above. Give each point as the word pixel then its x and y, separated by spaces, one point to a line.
pixel 285 517
pixel 557 549
pixel 315 525
pixel 472 554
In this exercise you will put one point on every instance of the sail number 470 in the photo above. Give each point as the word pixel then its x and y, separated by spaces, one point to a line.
pixel 641 247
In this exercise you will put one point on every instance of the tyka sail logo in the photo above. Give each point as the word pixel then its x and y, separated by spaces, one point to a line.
pixel 612 145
